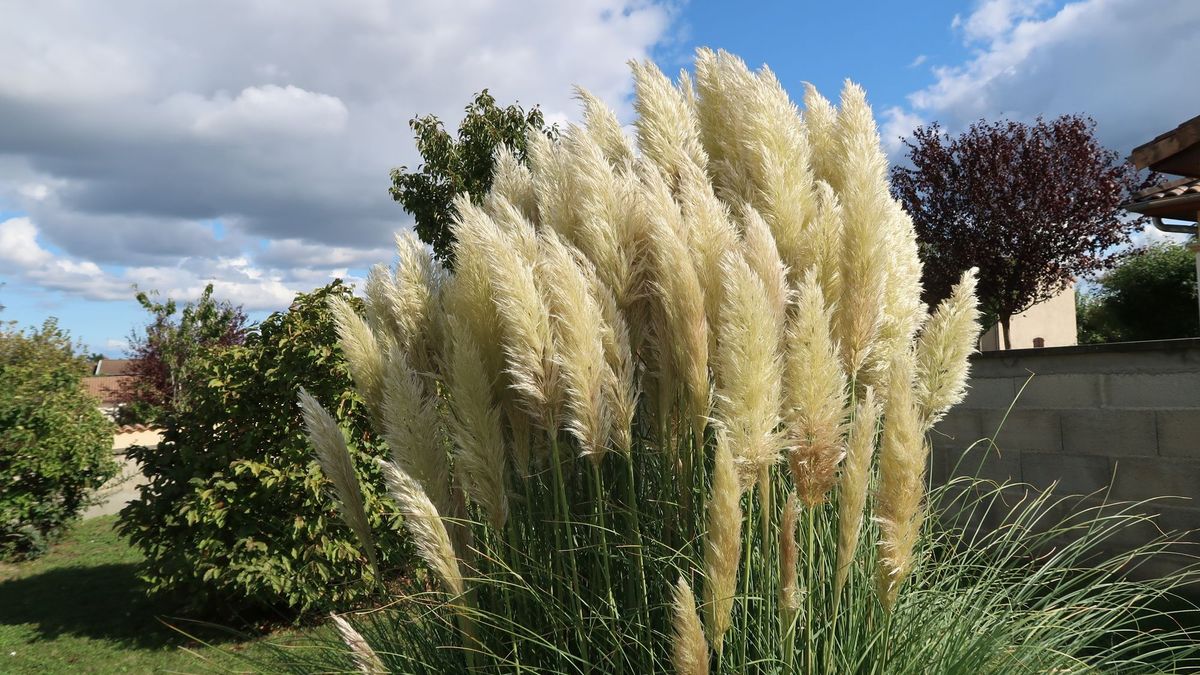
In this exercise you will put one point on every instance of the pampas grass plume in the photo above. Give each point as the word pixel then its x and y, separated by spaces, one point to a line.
pixel 334 457
pixel 815 410
pixel 902 455
pixel 946 342
pixel 578 327
pixel 854 483
pixel 722 549
pixel 364 354
pixel 425 525
pixel 689 648
pixel 365 658
pixel 475 425
pixel 749 370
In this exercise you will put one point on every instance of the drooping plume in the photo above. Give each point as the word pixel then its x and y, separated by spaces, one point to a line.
pixel 334 458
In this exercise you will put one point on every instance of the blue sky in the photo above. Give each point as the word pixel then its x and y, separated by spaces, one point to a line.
pixel 240 144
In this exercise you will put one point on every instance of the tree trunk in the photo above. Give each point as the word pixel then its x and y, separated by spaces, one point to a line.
pixel 1004 320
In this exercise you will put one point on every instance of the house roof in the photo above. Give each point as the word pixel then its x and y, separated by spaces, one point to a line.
pixel 1176 152
pixel 1177 199
pixel 106 367
pixel 106 388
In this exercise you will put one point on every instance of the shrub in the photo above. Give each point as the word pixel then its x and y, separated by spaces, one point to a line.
pixel 1150 295
pixel 670 413
pixel 55 444
pixel 235 513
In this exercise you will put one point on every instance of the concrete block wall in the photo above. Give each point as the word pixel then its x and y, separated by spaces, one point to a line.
pixel 1123 418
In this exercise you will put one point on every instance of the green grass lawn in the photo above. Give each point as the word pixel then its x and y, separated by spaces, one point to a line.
pixel 80 609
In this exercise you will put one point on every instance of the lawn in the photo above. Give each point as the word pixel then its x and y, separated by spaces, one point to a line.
pixel 80 609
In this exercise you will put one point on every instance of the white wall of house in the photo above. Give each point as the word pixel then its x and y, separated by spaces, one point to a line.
pixel 1052 320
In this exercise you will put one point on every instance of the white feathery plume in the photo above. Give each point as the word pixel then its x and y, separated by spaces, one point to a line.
pixel 820 121
pixel 334 457
pixel 365 658
pixel 524 319
pixel 364 354
pixel 854 484
pixel 861 183
pixel 425 525
pixel 946 342
pixel 602 125
pixel 475 424
pixel 815 398
pixel 578 327
pixel 902 457
pixel 762 255
pixel 620 388
pixel 666 133
pixel 681 297
pixel 723 543
pixel 749 371
pixel 414 432
pixel 689 649
pixel 512 182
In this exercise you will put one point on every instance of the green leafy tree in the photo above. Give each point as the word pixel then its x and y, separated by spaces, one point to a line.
pixel 453 166
pixel 55 445
pixel 1150 295
pixel 235 514
pixel 162 352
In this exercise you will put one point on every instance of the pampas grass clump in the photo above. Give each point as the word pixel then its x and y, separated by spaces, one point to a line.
pixel 670 412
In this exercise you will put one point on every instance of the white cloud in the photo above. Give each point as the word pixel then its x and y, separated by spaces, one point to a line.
pixel 116 345
pixel 1093 57
pixel 132 126
pixel 273 110
pixel 236 279
pixel 18 244
pixel 920 59
pixel 992 19
pixel 898 124
pixel 1152 235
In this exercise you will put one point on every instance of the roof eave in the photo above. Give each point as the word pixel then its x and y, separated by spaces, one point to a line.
pixel 1184 207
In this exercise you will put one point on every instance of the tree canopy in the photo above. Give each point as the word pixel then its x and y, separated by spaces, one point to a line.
pixel 162 350
pixel 453 166
pixel 1150 295
pixel 1033 206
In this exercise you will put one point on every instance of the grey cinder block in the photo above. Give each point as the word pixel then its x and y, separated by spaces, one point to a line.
pixel 1118 433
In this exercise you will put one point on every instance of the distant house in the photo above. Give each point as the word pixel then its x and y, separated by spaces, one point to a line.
pixel 109 377
pixel 1046 324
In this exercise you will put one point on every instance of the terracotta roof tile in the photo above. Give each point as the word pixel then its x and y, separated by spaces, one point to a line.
pixel 1177 188
pixel 113 367
pixel 106 388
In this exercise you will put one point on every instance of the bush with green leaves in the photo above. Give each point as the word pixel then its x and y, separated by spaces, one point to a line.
pixel 1150 295
pixel 235 514
pixel 55 444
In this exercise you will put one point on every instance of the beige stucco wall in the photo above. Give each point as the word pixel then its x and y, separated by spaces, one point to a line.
pixel 1052 320
pixel 125 439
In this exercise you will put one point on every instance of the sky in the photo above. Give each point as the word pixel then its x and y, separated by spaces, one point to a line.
pixel 247 143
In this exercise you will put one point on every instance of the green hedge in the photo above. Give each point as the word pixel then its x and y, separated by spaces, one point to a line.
pixel 55 445
pixel 236 513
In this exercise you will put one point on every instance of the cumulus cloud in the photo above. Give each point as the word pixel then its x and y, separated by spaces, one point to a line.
pixel 237 279
pixel 1126 66
pixel 149 138
pixel 994 18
